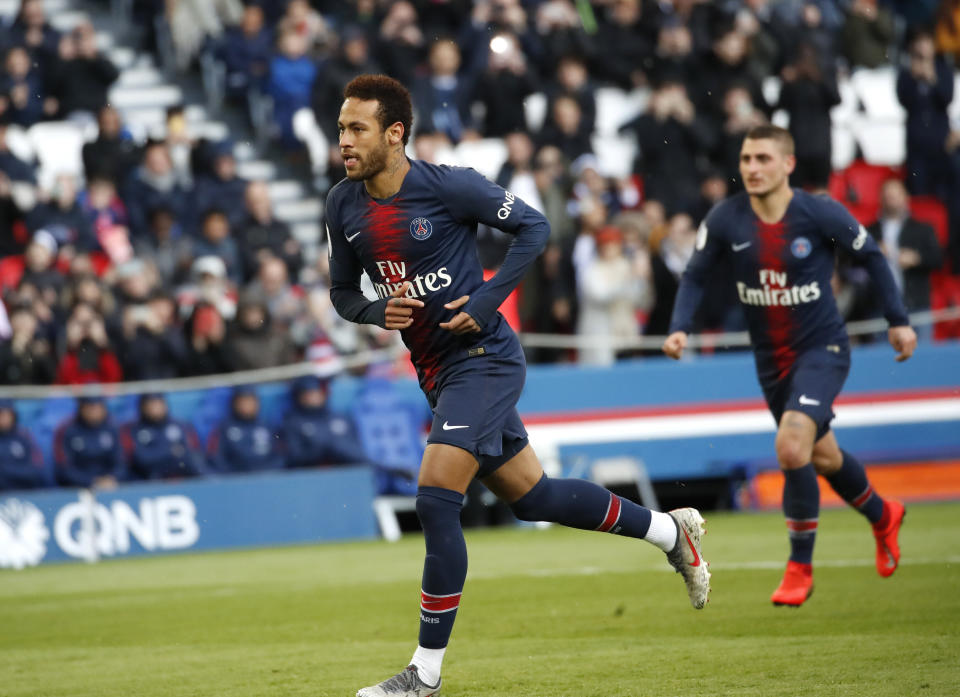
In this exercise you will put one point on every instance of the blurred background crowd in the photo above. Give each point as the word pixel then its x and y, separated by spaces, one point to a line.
pixel 158 259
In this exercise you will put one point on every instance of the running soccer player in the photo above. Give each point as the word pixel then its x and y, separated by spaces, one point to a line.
pixel 412 227
pixel 780 242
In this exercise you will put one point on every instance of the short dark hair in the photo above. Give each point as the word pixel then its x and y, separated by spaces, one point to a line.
pixel 394 100
pixel 770 132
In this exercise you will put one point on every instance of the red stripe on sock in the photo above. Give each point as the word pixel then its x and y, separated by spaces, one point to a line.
pixel 863 498
pixel 801 525
pixel 439 603
pixel 613 514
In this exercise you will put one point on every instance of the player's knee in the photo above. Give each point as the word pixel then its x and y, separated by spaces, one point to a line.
pixel 792 453
pixel 826 463
pixel 436 506
pixel 531 506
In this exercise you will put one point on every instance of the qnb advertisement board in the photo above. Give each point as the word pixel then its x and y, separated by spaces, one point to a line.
pixel 138 519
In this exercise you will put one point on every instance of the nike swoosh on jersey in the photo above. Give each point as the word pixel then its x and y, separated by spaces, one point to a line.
pixel 351 237
pixel 448 427
pixel 809 401
pixel 740 246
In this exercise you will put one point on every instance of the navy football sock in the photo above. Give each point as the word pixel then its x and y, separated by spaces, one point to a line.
pixel 801 506
pixel 578 503
pixel 850 481
pixel 445 566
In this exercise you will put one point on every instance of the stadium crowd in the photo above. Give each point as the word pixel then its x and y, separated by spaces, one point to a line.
pixel 161 261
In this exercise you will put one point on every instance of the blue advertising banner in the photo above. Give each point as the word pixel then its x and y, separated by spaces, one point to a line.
pixel 233 511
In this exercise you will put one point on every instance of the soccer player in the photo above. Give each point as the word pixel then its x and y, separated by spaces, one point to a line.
pixel 412 227
pixel 780 242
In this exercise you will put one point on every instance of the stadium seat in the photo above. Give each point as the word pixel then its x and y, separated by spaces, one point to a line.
pixel 858 188
pixel 486 156
pixel 931 210
pixel 877 90
pixel 58 146
pixel 844 112
pixel 944 294
pixel 615 154
pixel 535 110
pixel 616 107
pixel 882 141
pixel 308 132
pixel 844 147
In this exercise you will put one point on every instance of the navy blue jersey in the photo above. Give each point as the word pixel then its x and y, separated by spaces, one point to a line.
pixel 782 273
pixel 426 234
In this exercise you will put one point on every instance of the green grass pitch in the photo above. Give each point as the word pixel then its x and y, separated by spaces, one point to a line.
pixel 545 613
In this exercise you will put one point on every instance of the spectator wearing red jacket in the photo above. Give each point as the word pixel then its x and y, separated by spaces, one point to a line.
pixel 89 357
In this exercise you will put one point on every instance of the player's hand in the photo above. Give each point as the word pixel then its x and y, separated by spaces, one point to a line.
pixel 903 340
pixel 399 312
pixel 674 345
pixel 462 323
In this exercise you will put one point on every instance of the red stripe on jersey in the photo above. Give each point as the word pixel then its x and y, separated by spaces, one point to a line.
pixel 801 525
pixel 439 603
pixel 773 247
pixel 612 516
pixel 864 497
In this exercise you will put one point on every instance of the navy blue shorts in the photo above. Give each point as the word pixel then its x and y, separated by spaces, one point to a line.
pixel 475 408
pixel 812 384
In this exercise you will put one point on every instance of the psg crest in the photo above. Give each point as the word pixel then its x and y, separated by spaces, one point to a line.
pixel 421 228
pixel 801 247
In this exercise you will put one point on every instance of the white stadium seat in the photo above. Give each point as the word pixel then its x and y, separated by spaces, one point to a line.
pixel 309 133
pixel 615 154
pixel 535 110
pixel 616 107
pixel 57 145
pixel 877 90
pixel 844 147
pixel 882 142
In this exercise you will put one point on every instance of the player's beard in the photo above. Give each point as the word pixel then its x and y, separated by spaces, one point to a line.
pixel 372 164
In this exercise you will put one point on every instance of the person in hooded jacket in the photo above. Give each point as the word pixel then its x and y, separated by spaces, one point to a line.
pixel 21 462
pixel 87 450
pixel 315 436
pixel 159 446
pixel 244 442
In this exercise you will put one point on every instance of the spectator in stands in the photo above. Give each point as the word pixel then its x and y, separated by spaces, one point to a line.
pixel 272 283
pixel 808 94
pixel 223 189
pixel 673 57
pixel 87 451
pixel 208 283
pixel 192 21
pixel 243 442
pixel 27 358
pixel 667 264
pixel 867 34
pixel 911 247
pixel 39 264
pixel 85 287
pixel 63 217
pixel 947 29
pixel 215 240
pixel 83 81
pixel 166 246
pixel 353 58
pixel 300 18
pixel 503 86
pixel 671 136
pixel 740 114
pixel 154 184
pixel 725 65
pixel 252 340
pixel 292 72
pixel 108 217
pixel 114 153
pixel 561 32
pixel 13 231
pixel 623 45
pixel 262 234
pixel 925 89
pixel 206 330
pixel 564 130
pixel 158 446
pixel 612 289
pixel 31 29
pixel 312 434
pixel 441 97
pixel 21 462
pixel 400 44
pixel 88 357
pixel 22 97
pixel 573 80
pixel 245 51
pixel 152 345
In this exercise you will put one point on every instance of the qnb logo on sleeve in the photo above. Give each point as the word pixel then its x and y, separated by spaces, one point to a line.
pixel 774 291
pixel 507 206
pixel 394 275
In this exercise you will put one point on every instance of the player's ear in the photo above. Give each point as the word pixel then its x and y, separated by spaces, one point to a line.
pixel 791 163
pixel 395 133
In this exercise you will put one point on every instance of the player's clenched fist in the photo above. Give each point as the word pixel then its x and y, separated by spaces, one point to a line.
pixel 903 340
pixel 399 312
pixel 674 345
